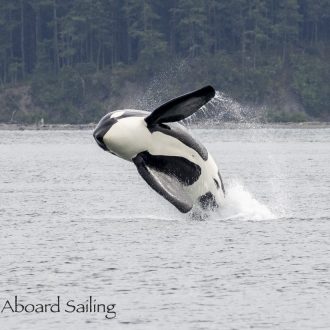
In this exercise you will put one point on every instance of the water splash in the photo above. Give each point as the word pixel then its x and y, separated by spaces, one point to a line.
pixel 240 204
pixel 222 108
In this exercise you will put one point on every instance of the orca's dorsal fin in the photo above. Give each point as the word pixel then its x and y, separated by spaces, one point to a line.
pixel 181 107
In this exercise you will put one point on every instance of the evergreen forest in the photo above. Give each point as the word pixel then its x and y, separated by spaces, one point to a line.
pixel 70 61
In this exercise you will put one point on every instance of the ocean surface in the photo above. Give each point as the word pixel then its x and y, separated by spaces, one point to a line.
pixel 78 222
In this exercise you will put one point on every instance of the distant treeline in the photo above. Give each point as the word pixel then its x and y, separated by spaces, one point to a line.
pixel 67 60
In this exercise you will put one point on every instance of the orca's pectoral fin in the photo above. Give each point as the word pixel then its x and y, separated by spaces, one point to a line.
pixel 165 185
pixel 181 107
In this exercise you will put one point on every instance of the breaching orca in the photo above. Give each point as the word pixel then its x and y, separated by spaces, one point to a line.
pixel 167 157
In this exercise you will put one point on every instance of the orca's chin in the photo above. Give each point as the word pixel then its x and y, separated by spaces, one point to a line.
pixel 102 128
pixel 98 136
pixel 102 145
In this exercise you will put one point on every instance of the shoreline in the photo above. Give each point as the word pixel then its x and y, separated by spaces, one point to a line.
pixel 204 125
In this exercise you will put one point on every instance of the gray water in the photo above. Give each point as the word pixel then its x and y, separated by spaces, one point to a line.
pixel 76 221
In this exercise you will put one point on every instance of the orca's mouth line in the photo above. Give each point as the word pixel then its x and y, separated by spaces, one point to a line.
pixel 98 136
pixel 101 144
pixel 102 128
